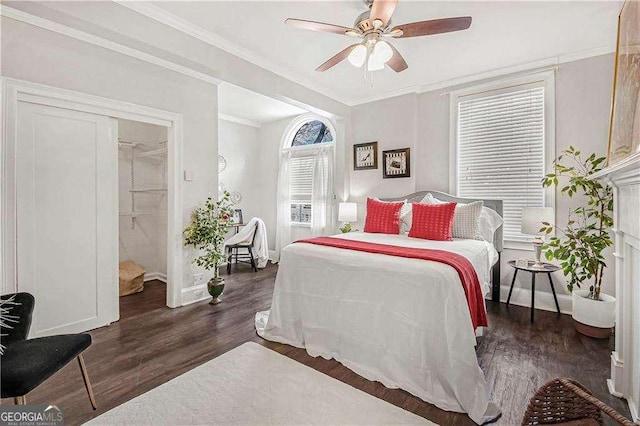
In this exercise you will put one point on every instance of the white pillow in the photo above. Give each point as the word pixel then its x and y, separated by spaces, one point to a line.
pixel 406 215
pixel 490 221
pixel 466 222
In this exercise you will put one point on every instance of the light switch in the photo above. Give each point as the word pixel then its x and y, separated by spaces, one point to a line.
pixel 188 175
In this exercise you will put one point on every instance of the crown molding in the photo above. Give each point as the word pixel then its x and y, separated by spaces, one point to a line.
pixel 496 73
pixel 239 120
pixel 167 18
pixel 39 22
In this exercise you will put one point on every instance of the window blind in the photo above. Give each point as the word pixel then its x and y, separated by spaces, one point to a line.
pixel 500 151
pixel 301 169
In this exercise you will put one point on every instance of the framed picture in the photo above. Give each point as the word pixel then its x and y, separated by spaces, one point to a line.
pixel 365 156
pixel 237 216
pixel 396 163
pixel 624 128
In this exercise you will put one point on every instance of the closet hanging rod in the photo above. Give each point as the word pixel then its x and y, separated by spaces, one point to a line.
pixel 133 143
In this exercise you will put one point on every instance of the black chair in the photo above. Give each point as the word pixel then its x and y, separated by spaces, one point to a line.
pixel 232 252
pixel 26 363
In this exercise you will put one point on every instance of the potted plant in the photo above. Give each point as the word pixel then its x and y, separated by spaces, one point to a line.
pixel 206 232
pixel 580 244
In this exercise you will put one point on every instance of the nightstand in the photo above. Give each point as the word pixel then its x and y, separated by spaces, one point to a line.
pixel 547 268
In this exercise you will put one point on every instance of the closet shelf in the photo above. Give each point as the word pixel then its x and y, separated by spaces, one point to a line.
pixel 147 190
pixel 153 153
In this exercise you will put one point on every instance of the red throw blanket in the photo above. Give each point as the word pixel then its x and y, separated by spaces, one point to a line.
pixel 468 275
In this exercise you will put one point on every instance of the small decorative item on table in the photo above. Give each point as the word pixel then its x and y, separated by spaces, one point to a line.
pixel 534 221
pixel 206 233
pixel 347 213
pixel 365 156
pixel 396 163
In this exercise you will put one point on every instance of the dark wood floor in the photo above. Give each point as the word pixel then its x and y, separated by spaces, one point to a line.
pixel 152 344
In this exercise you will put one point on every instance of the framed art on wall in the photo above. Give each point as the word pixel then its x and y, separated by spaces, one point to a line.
pixel 396 163
pixel 365 156
pixel 624 130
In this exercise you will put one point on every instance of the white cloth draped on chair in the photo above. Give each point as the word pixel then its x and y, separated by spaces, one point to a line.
pixel 260 246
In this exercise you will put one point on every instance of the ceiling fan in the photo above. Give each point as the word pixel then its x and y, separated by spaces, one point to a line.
pixel 374 28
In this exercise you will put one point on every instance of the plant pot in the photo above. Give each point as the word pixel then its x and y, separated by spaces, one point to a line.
pixel 594 318
pixel 215 286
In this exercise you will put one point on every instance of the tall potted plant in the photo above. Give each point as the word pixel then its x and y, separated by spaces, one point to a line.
pixel 206 232
pixel 580 244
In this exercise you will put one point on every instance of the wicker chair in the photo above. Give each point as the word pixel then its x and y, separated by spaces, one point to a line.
pixel 565 401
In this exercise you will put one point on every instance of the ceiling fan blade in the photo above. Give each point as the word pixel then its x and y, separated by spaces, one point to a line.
pixel 336 59
pixel 397 62
pixel 435 26
pixel 317 26
pixel 382 10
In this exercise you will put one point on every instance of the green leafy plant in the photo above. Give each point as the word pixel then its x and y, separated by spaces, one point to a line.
pixel 581 243
pixel 207 230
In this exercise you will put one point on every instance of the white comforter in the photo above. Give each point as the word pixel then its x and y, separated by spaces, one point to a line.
pixel 403 322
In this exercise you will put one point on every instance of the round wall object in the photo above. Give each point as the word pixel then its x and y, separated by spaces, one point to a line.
pixel 236 197
pixel 222 163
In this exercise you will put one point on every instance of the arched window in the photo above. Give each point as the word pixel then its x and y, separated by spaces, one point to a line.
pixel 312 132
pixel 305 181
pixel 308 145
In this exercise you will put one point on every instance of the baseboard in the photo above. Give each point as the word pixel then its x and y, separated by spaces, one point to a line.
pixel 150 276
pixel 544 300
pixel 635 414
pixel 193 294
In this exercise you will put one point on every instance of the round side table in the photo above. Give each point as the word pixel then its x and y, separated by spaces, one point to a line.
pixel 547 268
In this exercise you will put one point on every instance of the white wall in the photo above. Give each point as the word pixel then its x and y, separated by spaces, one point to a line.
pixel 143 239
pixel 37 55
pixel 239 144
pixel 421 122
pixel 115 22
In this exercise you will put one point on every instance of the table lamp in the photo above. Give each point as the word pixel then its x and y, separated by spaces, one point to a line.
pixel 532 218
pixel 347 212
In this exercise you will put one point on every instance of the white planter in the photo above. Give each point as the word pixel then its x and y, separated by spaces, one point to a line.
pixel 594 313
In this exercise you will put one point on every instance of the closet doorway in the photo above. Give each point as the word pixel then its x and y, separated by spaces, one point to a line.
pixel 142 216
pixel 60 207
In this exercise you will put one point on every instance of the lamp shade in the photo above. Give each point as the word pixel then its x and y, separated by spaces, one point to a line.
pixel 532 218
pixel 347 212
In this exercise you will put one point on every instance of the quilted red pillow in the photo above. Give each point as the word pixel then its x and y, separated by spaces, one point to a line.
pixel 433 221
pixel 382 217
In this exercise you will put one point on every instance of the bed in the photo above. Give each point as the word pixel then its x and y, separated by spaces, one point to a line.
pixel 401 321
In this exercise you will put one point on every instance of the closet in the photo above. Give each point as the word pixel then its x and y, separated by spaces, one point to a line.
pixel 142 200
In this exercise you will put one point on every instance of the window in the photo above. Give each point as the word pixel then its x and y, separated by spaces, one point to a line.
pixel 501 145
pixel 301 186
pixel 312 132
pixel 308 134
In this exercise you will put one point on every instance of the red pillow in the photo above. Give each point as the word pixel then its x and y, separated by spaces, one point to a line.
pixel 382 217
pixel 432 221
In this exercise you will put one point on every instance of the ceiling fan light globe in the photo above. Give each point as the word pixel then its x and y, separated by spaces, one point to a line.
pixel 382 52
pixel 358 56
pixel 373 64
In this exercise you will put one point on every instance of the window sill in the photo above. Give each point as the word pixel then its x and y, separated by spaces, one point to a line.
pixel 518 245
pixel 300 225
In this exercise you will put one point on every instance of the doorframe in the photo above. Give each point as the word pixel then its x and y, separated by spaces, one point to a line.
pixel 13 91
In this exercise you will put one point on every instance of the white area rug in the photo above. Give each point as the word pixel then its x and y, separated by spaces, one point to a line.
pixel 253 385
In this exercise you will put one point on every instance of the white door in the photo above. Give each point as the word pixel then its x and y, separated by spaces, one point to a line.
pixel 66 208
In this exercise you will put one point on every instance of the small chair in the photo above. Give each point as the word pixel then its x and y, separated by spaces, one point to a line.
pixel 232 252
pixel 567 402
pixel 26 363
